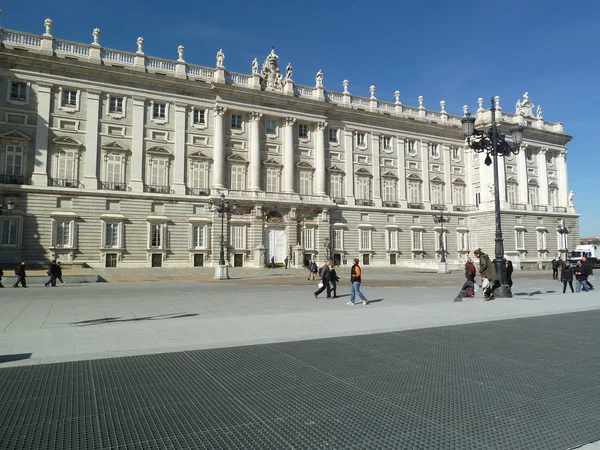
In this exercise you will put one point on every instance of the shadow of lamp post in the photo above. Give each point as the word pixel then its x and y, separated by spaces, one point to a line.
pixel 564 233
pixel 223 207
pixel 441 220
pixel 493 143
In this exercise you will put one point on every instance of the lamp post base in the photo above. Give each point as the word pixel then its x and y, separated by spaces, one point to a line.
pixel 443 268
pixel 503 291
pixel 222 272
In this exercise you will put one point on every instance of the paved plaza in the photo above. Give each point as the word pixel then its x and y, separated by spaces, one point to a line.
pixel 257 362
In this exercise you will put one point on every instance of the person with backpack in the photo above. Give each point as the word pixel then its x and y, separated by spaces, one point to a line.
pixel 325 275
pixel 21 275
pixel 355 279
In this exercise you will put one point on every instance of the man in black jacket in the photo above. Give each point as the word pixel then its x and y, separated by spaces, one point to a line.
pixel 589 270
pixel 20 273
pixel 325 273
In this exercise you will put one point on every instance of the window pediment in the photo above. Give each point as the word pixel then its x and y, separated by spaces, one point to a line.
pixel 236 159
pixel 335 169
pixel 15 135
pixel 533 183
pixel 363 172
pixel 512 180
pixel 389 175
pixel 115 147
pixel 304 165
pixel 272 163
pixel 437 180
pixel 459 181
pixel 159 151
pixel 413 177
pixel 199 155
pixel 67 141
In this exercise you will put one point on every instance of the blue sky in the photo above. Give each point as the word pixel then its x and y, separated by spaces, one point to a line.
pixel 452 51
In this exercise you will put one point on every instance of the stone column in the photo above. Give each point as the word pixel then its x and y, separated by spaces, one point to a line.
pixel 43 93
pixel 447 175
pixel 424 149
pixel 180 157
pixel 349 166
pixel 400 150
pixel 376 142
pixel 543 171
pixel 219 149
pixel 320 158
pixel 522 175
pixel 255 151
pixel 90 177
pixel 137 144
pixel 563 184
pixel 288 155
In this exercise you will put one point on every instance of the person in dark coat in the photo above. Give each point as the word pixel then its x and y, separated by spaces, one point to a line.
pixel 21 275
pixel 554 269
pixel 467 290
pixel 334 279
pixel 566 276
pixel 589 269
pixel 487 270
pixel 272 262
pixel 58 273
pixel 325 279
pixel 509 272
pixel 52 272
pixel 581 277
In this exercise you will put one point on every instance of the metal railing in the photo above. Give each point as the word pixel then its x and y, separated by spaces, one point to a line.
pixel 112 186
pixel 415 206
pixel 540 208
pixel 465 208
pixel 438 207
pixel 364 202
pixel 560 209
pixel 198 191
pixel 14 179
pixel 339 200
pixel 157 189
pixel 66 182
pixel 391 204
pixel 518 206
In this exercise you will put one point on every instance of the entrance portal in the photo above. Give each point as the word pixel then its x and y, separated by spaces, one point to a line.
pixel 276 244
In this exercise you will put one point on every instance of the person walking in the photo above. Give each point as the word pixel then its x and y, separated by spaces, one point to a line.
pixel 560 264
pixel 286 261
pixel 356 279
pixel 589 269
pixel 312 270
pixel 566 276
pixel 21 275
pixel 58 273
pixel 487 271
pixel 334 280
pixel 509 272
pixel 581 277
pixel 272 262
pixel 325 273
pixel 52 272
pixel 554 269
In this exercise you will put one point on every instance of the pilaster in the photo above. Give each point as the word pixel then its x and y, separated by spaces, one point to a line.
pixel 137 144
pixel 424 150
pixel 400 150
pixel 543 177
pixel 447 175
pixel 563 184
pixel 180 157
pixel 376 143
pixel 90 178
pixel 288 155
pixel 320 158
pixel 522 175
pixel 349 166
pixel 254 184
pixel 40 169
pixel 219 148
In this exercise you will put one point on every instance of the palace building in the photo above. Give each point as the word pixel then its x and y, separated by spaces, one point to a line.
pixel 112 159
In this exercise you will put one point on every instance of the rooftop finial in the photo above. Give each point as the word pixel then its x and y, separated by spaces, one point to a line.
pixel 48 25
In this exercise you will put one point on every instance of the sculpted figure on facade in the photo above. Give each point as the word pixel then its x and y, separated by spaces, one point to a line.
pixel 289 71
pixel 319 79
pixel 140 45
pixel 96 35
pixel 518 108
pixel 571 198
pixel 220 58
pixel 525 108
pixel 538 112
pixel 270 77
pixel 48 26
pixel 255 67
pixel 180 51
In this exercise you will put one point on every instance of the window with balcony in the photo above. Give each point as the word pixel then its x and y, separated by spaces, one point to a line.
pixel 533 194
pixel 512 193
pixel 333 135
pixel 437 194
pixel 198 177
pixel 13 160
pixel 65 167
pixel 303 130
pixel 336 185
pixel 238 178
pixel 271 126
pixel 113 169
pixel 459 194
pixel 414 192
pixel 553 197
pixel 390 189
pixel 363 188
pixel 272 180
pixel 11 229
pixel 158 172
pixel 308 238
pixel 306 183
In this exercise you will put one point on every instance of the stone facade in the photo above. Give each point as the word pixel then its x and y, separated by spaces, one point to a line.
pixel 112 158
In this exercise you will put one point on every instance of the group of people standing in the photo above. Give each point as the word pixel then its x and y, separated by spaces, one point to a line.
pixel 329 280
pixel 488 272
pixel 582 270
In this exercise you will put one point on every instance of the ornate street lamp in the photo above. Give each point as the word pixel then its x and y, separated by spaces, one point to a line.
pixel 441 219
pixel 222 208
pixel 494 144
pixel 564 232
pixel 10 205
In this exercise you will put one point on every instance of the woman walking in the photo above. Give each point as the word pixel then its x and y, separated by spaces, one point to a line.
pixel 566 276
pixel 509 272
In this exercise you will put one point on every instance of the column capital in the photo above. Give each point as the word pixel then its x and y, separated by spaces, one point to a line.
pixel 255 116
pixel 321 125
pixel 289 121
pixel 219 110
pixel 543 150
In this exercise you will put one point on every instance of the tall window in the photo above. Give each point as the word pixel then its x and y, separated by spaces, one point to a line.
pixel 414 191
pixel 512 193
pixel 435 150
pixel 336 185
pixel 238 237
pixel 157 235
pixel 389 190
pixel 114 164
pixel 158 172
pixel 456 154
pixel 333 135
pixel 272 181
pixel 198 175
pixel 387 143
pixel 338 239
pixel 363 188
pixel 360 139
pixel 199 236
pixel 10 232
pixel 462 241
pixel 392 239
pixel 411 147
pixel 63 233
pixel 69 98
pixel 271 126
pixel 199 116
pixel 437 193
pixel 111 235
pixel 542 240
pixel 18 92
pixel 365 240
pixel 159 111
pixel 534 195
pixel 459 194
pixel 238 178
pixel 520 239
pixel 13 163
pixel 553 197
pixel 66 165
pixel 417 240
pixel 115 104
pixel 529 155
pixel 308 238
pixel 305 181
pixel 303 130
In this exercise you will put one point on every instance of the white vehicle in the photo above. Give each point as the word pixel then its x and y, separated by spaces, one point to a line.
pixel 591 251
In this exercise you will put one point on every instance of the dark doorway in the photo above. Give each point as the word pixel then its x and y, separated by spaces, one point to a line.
pixel 337 259
pixel 111 260
pixel 393 259
pixel 156 259
pixel 366 259
pixel 199 260
pixel 238 260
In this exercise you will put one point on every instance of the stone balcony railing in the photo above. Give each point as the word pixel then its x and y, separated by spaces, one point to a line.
pixel 138 61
